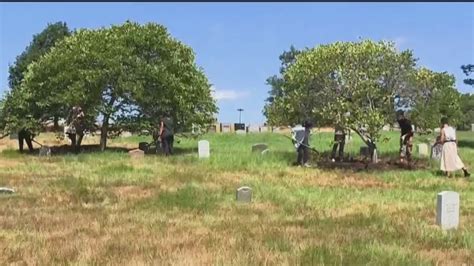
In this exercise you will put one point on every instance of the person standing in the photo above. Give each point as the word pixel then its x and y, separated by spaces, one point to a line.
pixel 25 135
pixel 406 137
pixel 167 134
pixel 301 140
pixel 339 140
pixel 450 160
pixel 75 128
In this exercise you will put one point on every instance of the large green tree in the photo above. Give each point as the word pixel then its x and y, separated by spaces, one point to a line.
pixel 435 96
pixel 126 75
pixel 357 85
pixel 19 108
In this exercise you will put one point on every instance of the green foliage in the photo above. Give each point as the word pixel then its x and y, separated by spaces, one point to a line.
pixel 468 69
pixel 20 108
pixel 354 84
pixel 467 111
pixel 128 74
pixel 435 97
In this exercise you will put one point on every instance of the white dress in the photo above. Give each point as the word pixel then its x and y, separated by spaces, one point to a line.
pixel 450 160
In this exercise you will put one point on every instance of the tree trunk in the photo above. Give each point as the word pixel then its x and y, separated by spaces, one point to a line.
pixel 370 144
pixel 104 132
pixel 56 123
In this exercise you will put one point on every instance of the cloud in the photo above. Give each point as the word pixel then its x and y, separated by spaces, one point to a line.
pixel 219 94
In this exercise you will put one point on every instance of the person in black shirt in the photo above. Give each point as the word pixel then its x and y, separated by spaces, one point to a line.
pixel 167 134
pixel 25 135
pixel 406 137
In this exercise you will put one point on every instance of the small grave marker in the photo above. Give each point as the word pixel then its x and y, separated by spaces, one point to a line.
pixel 203 149
pixel 136 153
pixel 259 147
pixel 423 149
pixel 244 194
pixel 265 151
pixel 472 127
pixel 447 210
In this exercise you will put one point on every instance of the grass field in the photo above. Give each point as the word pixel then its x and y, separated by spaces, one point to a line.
pixel 108 209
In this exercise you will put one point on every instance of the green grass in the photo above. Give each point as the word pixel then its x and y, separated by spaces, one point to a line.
pixel 105 208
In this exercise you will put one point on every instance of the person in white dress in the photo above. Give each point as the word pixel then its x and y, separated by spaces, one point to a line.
pixel 450 161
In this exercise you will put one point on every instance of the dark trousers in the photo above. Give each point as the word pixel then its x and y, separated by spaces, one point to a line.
pixel 340 140
pixel 303 155
pixel 76 140
pixel 25 135
pixel 167 144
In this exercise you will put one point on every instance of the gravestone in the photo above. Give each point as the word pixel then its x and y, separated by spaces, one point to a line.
pixel 203 149
pixel 264 129
pixel 265 151
pixel 423 149
pixel 259 147
pixel 386 128
pixel 45 151
pixel 226 128
pixel 244 194
pixel 240 132
pixel 472 127
pixel 253 129
pixel 447 210
pixel 136 153
pixel 5 190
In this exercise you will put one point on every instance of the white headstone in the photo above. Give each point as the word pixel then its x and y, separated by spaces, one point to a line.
pixel 447 210
pixel 240 132
pixel 244 194
pixel 6 190
pixel 203 149
pixel 422 149
pixel 437 130
pixel 254 129
pixel 136 153
pixel 264 129
pixel 126 134
pixel 226 128
pixel 386 128
pixel 472 127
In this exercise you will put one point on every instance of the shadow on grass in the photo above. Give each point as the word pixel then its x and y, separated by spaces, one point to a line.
pixel 466 144
pixel 89 149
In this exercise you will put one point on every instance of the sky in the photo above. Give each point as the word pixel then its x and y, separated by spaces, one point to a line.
pixel 238 44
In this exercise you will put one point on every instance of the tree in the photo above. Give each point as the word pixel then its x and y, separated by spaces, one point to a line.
pixel 467 111
pixel 127 75
pixel 468 69
pixel 357 85
pixel 435 96
pixel 276 115
pixel 19 109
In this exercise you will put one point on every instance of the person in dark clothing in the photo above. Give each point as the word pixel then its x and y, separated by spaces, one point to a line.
pixel 339 140
pixel 25 135
pixel 301 138
pixel 167 134
pixel 75 128
pixel 406 137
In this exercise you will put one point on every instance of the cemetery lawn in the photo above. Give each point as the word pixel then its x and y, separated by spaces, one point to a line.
pixel 107 209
